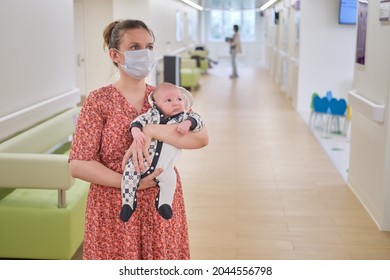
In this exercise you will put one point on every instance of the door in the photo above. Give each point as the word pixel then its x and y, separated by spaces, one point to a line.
pixel 79 46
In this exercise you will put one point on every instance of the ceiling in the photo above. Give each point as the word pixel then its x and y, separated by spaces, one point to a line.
pixel 232 4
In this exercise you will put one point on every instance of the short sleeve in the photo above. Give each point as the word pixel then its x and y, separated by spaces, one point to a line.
pixel 87 137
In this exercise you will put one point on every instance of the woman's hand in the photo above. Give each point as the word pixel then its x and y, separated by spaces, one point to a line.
pixel 138 136
pixel 184 127
pixel 139 154
pixel 149 181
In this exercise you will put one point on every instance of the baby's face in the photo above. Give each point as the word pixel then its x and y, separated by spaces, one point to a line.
pixel 170 101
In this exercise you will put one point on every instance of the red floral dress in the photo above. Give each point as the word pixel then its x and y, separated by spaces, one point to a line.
pixel 102 134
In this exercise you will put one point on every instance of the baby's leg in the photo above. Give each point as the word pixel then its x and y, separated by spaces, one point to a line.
pixel 167 187
pixel 130 181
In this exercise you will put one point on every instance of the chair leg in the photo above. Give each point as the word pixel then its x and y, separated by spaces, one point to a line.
pixel 328 124
pixel 338 125
pixel 311 119
pixel 346 127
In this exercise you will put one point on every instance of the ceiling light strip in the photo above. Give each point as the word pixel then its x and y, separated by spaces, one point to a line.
pixel 268 4
pixel 192 4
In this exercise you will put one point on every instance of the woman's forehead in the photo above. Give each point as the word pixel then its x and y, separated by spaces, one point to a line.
pixel 136 36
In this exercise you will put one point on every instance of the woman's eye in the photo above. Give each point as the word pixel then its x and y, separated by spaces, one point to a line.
pixel 150 47
pixel 133 48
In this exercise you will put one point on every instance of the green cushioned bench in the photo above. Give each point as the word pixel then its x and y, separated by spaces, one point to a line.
pixel 42 208
pixel 189 73
pixel 204 64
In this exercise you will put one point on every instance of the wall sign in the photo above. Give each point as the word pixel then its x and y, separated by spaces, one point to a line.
pixel 384 10
pixel 361 32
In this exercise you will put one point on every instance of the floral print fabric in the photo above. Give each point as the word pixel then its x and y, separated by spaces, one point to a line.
pixel 102 134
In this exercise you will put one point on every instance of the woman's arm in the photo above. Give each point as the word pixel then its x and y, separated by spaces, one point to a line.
pixel 96 173
pixel 168 134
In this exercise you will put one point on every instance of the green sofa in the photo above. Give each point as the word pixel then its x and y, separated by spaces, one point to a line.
pixel 203 54
pixel 189 73
pixel 42 208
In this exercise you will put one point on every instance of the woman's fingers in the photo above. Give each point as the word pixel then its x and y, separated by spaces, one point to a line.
pixel 136 153
pixel 140 166
pixel 149 181
pixel 126 158
pixel 145 151
pixel 139 153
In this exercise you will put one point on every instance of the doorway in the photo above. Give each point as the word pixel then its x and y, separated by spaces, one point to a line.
pixel 79 47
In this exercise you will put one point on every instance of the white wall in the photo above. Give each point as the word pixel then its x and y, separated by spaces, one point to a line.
pixel 99 69
pixel 369 174
pixel 135 9
pixel 318 52
pixel 37 68
pixel 281 44
pixel 163 23
pixel 159 15
pixel 38 60
pixel 327 52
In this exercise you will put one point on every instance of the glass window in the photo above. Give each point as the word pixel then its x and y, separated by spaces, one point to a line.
pixel 222 21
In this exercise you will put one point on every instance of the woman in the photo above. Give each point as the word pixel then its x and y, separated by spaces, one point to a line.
pixel 100 142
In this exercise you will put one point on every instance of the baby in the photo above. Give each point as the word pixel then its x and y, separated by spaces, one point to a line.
pixel 170 105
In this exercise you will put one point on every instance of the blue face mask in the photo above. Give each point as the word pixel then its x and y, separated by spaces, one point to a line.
pixel 138 63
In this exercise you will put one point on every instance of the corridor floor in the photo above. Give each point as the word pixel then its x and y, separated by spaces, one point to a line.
pixel 264 188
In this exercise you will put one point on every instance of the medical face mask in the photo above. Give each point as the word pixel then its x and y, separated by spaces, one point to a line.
pixel 138 63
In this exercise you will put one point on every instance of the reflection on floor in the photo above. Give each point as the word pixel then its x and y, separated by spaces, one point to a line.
pixel 334 143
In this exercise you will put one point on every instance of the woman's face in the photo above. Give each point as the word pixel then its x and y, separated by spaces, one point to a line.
pixel 134 39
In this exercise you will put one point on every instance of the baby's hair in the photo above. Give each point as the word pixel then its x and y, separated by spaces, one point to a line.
pixel 162 85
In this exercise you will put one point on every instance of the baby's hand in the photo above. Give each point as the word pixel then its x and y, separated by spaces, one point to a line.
pixel 184 127
pixel 138 135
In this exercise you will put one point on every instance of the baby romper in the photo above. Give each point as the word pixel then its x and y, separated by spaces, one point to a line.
pixel 163 156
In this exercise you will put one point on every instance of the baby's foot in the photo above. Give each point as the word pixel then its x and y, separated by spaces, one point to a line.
pixel 127 210
pixel 165 211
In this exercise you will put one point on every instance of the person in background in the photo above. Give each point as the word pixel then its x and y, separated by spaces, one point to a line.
pixel 101 140
pixel 235 48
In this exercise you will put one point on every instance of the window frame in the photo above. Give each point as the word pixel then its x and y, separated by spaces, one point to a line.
pixel 245 19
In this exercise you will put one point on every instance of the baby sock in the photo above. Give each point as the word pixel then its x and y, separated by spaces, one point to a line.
pixel 127 210
pixel 164 210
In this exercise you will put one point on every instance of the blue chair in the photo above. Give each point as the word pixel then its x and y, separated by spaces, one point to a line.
pixel 312 112
pixel 338 109
pixel 320 108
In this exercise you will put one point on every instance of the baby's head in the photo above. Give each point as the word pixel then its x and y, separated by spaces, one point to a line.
pixel 170 99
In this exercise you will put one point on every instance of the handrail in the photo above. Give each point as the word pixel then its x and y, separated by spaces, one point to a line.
pixel 175 52
pixel 373 111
